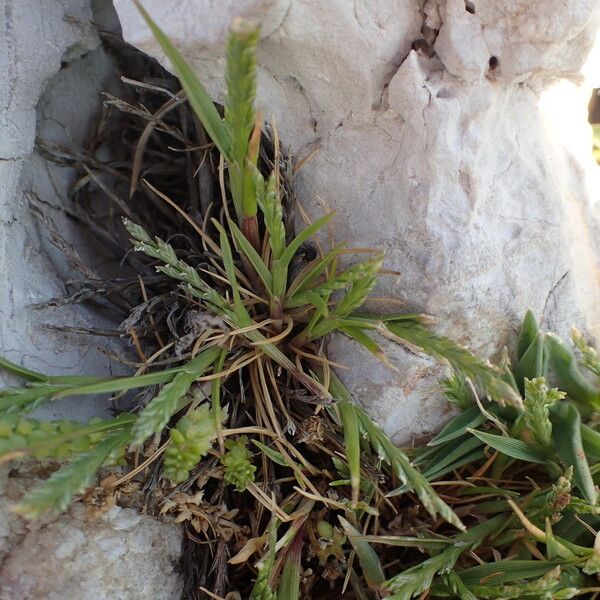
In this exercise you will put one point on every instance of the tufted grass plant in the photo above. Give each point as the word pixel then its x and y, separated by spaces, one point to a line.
pixel 256 416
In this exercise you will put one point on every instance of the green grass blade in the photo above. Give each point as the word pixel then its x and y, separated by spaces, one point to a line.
pixel 404 541
pixel 29 375
pixel 365 340
pixel 396 459
pixel 311 273
pixel 357 587
pixel 471 417
pixel 118 384
pixel 252 255
pixel 198 97
pixel 54 495
pixel 289 584
pixel 240 310
pixel 431 456
pixel 352 445
pixel 215 397
pixel 261 589
pixel 275 456
pixel 369 561
pixel 505 571
pixel 302 237
pixel 391 318
pixel 424 456
pixel 279 268
pixel 434 473
pixel 464 449
pixel 566 434
pixel 19 371
pixel 511 447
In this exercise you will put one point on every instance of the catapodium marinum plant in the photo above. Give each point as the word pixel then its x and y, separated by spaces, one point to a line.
pixel 258 413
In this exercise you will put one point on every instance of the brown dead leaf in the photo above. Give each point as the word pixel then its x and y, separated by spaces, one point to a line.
pixel 252 546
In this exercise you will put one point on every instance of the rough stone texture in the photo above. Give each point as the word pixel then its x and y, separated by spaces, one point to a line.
pixel 448 156
pixel 54 71
pixel 122 555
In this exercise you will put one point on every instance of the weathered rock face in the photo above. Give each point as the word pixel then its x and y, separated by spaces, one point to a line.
pixel 53 72
pixel 447 156
pixel 122 555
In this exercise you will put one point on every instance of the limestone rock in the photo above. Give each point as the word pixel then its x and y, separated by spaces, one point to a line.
pixel 122 555
pixel 54 71
pixel 453 136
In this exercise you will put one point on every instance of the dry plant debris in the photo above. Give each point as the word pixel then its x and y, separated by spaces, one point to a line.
pixel 234 421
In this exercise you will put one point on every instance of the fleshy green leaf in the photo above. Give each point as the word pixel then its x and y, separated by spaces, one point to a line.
pixel 511 447
pixel 571 379
pixel 591 443
pixel 532 364
pixel 529 331
pixel 566 433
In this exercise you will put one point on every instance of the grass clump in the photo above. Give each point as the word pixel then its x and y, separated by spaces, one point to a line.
pixel 248 437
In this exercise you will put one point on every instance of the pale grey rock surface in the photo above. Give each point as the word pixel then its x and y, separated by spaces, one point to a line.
pixel 467 158
pixel 122 555
pixel 54 71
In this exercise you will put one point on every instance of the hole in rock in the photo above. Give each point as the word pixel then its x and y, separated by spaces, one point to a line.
pixel 470 7
pixel 494 63
pixel 423 47
pixel 594 120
